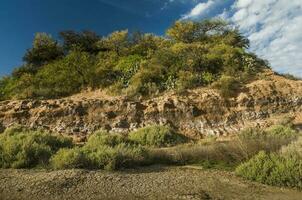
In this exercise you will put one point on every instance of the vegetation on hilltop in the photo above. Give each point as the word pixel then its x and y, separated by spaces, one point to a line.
pixel 191 54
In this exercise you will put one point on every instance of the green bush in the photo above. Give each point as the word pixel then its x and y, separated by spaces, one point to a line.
pixel 157 136
pixel 66 76
pixel 112 158
pixel 69 159
pixel 282 131
pixel 21 148
pixel 102 151
pixel 273 169
pixel 128 66
pixel 101 138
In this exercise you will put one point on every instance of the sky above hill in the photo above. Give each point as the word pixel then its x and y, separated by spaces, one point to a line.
pixel 273 26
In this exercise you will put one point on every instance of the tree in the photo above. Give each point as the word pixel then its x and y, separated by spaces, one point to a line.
pixel 85 41
pixel 144 44
pixel 235 39
pixel 182 31
pixel 44 50
pixel 191 31
pixel 118 41
pixel 66 76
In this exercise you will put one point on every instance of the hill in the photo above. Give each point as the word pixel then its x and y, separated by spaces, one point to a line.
pixel 196 113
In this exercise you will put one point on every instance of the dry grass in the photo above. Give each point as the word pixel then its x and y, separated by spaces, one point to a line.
pixel 223 154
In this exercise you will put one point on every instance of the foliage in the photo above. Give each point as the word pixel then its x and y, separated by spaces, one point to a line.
pixel 156 136
pixel 102 138
pixel 86 41
pixel 111 158
pixel 192 54
pixel 102 151
pixel 69 159
pixel 293 149
pixel 66 76
pixel 44 50
pixel 22 148
pixel 273 169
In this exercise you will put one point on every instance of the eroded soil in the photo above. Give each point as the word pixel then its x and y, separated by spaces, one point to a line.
pixel 148 183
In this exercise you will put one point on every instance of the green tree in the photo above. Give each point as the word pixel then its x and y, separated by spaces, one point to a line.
pixel 118 41
pixel 66 76
pixel 85 41
pixel 191 31
pixel 44 50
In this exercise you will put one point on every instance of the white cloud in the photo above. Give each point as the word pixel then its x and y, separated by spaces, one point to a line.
pixel 200 9
pixel 274 28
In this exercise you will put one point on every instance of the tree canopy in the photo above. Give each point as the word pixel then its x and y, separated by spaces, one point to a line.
pixel 191 54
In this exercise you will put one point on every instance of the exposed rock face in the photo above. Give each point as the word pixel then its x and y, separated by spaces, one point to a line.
pixel 197 113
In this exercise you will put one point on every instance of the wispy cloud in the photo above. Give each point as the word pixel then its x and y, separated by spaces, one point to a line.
pixel 274 28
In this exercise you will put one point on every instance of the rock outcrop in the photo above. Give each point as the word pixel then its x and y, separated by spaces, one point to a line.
pixel 196 113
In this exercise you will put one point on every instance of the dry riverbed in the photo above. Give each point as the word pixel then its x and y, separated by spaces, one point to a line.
pixel 149 183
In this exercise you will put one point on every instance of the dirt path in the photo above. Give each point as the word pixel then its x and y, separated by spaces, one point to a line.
pixel 149 183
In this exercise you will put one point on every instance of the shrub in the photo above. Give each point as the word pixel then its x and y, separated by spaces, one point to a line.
pixel 66 76
pixel 102 151
pixel 112 158
pixel 282 131
pixel 253 140
pixel 156 136
pixel 227 86
pixel 21 148
pixel 69 159
pixel 101 138
pixel 293 149
pixel 112 151
pixel 128 66
pixel 273 169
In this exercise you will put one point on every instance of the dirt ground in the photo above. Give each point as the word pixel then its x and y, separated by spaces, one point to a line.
pixel 149 183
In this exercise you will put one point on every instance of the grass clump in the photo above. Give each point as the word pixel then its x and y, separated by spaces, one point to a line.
pixel 273 169
pixel 22 148
pixel 157 136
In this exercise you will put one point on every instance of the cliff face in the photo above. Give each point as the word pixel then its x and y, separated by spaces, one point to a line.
pixel 197 113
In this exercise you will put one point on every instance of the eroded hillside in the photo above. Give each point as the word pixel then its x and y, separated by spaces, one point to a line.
pixel 196 113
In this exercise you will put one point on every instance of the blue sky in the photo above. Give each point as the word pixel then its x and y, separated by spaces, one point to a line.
pixel 258 19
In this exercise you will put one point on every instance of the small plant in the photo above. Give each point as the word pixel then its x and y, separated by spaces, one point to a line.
pixel 157 136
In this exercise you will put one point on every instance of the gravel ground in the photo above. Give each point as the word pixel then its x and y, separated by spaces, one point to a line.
pixel 149 183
